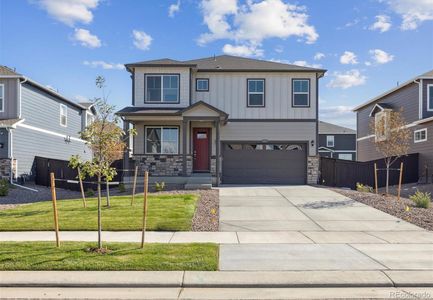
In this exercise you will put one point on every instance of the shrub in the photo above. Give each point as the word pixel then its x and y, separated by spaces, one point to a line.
pixel 159 186
pixel 90 193
pixel 363 188
pixel 421 199
pixel 122 188
pixel 4 187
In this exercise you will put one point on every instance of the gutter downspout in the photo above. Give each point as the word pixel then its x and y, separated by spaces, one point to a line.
pixel 420 104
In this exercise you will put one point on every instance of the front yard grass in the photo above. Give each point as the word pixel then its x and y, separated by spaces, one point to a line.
pixel 168 212
pixel 75 256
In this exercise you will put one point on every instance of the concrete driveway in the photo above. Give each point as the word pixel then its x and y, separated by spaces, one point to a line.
pixel 309 228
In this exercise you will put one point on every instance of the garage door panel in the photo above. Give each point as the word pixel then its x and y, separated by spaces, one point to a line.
pixel 241 165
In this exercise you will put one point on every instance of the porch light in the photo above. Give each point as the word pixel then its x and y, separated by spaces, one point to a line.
pixel 312 143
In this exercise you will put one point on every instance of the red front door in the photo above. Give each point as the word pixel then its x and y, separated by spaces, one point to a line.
pixel 201 138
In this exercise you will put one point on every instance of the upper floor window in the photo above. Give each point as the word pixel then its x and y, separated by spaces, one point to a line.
pixel 63 115
pixel 430 97
pixel 162 88
pixel 256 92
pixel 381 126
pixel 301 92
pixel 162 140
pixel 420 135
pixel 202 85
pixel 329 141
pixel 2 97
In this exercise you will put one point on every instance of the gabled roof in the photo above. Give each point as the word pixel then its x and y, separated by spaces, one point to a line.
pixel 227 63
pixel 328 128
pixel 426 75
pixel 220 112
pixel 6 71
pixel 380 107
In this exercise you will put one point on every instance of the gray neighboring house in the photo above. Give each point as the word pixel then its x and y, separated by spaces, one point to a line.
pixel 337 141
pixel 37 121
pixel 415 97
pixel 224 119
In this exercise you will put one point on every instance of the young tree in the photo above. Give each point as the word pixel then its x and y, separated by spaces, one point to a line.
pixel 392 137
pixel 107 141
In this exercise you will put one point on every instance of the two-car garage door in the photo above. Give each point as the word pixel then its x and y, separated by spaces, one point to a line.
pixel 270 163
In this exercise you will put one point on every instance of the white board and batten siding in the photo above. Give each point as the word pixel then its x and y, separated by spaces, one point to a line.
pixel 228 92
pixel 184 77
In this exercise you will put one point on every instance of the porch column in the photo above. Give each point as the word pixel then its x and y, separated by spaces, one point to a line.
pixel 184 144
pixel 127 149
pixel 217 150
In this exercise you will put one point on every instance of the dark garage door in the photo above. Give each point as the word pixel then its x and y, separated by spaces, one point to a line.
pixel 249 163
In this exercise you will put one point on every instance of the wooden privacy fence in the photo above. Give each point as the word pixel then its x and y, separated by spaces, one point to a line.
pixel 346 173
pixel 60 168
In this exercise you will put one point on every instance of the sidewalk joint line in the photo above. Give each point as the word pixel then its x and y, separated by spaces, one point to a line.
pixel 392 281
pixel 372 234
pixel 237 236
pixel 359 251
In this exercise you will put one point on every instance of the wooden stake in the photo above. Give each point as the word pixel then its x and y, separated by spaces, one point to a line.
pixel 400 180
pixel 82 188
pixel 375 178
pixel 56 217
pixel 134 185
pixel 146 182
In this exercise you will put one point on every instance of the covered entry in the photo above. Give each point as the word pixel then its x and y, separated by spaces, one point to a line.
pixel 264 163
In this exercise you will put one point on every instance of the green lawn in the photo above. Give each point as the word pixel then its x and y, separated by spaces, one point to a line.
pixel 123 256
pixel 165 213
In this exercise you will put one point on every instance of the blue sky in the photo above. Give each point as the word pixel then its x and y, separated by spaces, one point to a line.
pixel 367 46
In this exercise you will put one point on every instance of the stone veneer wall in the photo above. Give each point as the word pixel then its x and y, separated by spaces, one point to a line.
pixel 163 164
pixel 313 169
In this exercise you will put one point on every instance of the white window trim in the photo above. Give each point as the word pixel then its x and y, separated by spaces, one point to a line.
pixel 162 140
pixel 351 156
pixel 300 93
pixel 162 88
pixel 255 93
pixel 328 139
pixel 66 115
pixel 88 114
pixel 2 96
pixel 419 130
pixel 197 86
pixel 428 98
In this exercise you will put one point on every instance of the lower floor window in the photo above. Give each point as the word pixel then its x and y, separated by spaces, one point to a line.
pixel 162 140
pixel 420 135
pixel 346 156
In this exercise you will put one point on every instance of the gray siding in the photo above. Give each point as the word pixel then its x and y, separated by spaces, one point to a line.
pixel 406 98
pixel 4 139
pixel 341 141
pixel 28 143
pixel 11 94
pixel 426 113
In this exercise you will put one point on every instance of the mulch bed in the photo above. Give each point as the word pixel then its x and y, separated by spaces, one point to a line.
pixel 206 217
pixel 421 217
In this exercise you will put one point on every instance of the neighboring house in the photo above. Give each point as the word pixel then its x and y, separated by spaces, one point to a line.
pixel 415 98
pixel 337 141
pixel 37 121
pixel 232 119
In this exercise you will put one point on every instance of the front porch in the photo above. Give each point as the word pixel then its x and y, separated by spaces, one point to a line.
pixel 177 146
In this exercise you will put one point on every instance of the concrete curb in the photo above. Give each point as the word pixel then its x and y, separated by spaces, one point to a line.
pixel 219 279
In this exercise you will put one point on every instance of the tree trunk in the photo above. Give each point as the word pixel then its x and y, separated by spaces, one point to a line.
pixel 99 214
pixel 108 193
pixel 387 179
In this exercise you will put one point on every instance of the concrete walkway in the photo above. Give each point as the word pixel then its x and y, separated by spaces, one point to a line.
pixel 307 228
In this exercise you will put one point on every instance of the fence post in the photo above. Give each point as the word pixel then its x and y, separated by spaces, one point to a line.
pixel 400 180
pixel 81 187
pixel 56 217
pixel 375 178
pixel 146 182
pixel 134 185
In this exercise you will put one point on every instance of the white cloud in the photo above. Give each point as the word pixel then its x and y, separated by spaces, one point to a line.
pixel 340 115
pixel 104 65
pixel 70 12
pixel 173 9
pixel 351 23
pixel 319 56
pixel 242 50
pixel 413 12
pixel 304 63
pixel 141 39
pixel 347 79
pixel 348 58
pixel 380 56
pixel 253 22
pixel 383 23
pixel 86 39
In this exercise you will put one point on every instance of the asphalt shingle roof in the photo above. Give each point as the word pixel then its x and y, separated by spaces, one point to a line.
pixel 328 128
pixel 5 71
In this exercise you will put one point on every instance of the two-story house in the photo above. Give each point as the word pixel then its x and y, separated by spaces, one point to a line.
pixel 337 141
pixel 37 121
pixel 415 98
pixel 234 119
